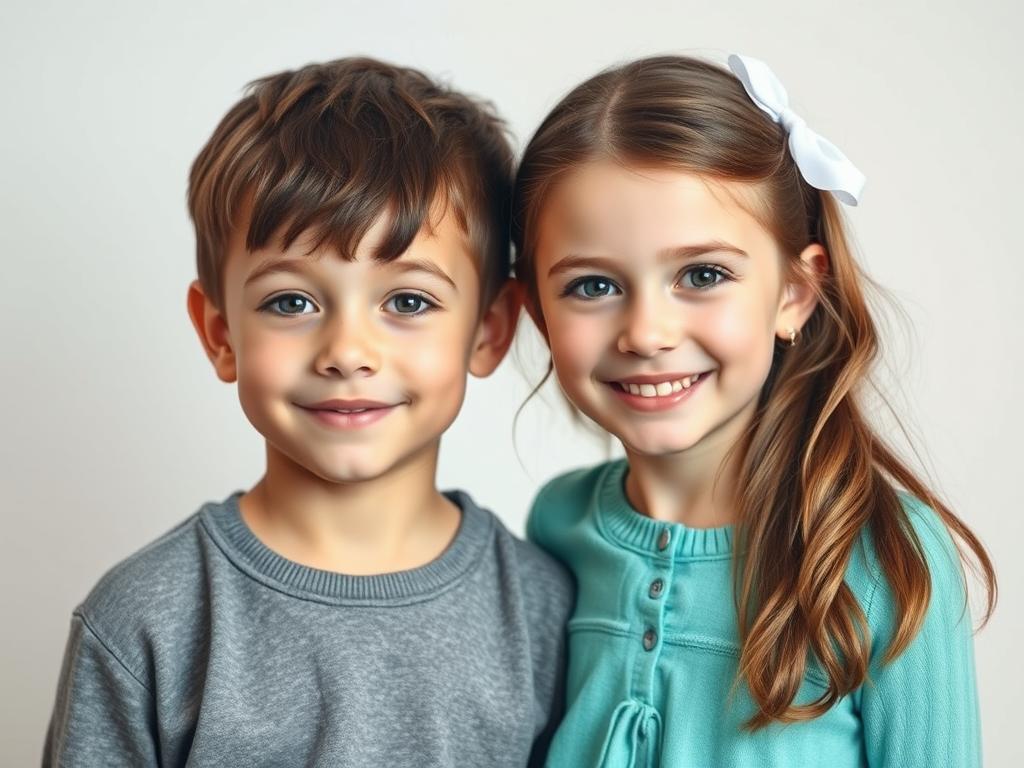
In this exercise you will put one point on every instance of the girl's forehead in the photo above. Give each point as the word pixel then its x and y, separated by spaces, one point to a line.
pixel 603 202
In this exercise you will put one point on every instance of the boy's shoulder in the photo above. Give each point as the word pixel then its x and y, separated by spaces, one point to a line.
pixel 538 575
pixel 136 605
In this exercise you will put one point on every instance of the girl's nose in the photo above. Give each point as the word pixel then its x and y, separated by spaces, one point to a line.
pixel 651 327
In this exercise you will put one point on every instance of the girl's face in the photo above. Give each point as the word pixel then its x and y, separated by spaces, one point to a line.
pixel 661 298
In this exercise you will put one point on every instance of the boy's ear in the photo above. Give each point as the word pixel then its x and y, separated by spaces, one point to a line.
pixel 800 296
pixel 495 330
pixel 212 328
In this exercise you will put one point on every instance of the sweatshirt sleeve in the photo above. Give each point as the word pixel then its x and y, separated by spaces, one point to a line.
pixel 103 714
pixel 922 708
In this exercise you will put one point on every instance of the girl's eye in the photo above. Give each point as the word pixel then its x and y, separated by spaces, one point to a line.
pixel 703 277
pixel 288 304
pixel 591 288
pixel 410 304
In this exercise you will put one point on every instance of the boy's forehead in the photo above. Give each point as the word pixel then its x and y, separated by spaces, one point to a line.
pixel 441 248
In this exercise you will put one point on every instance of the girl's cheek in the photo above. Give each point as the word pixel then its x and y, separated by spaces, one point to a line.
pixel 576 342
pixel 740 338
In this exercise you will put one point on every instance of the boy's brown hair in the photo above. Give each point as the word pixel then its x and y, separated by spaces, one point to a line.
pixel 329 148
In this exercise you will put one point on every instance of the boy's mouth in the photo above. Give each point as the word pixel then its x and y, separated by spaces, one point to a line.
pixel 348 414
pixel 347 406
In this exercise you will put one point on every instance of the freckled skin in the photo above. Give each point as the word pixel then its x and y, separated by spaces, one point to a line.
pixel 654 316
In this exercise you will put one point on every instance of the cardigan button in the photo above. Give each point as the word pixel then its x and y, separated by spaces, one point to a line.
pixel 657 587
pixel 664 539
pixel 650 639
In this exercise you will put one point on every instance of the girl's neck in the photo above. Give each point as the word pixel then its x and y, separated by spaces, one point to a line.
pixel 696 487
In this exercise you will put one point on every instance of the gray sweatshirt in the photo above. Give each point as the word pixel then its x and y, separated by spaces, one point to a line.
pixel 207 648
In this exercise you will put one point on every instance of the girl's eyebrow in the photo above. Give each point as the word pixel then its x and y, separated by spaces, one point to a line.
pixel 674 253
pixel 699 249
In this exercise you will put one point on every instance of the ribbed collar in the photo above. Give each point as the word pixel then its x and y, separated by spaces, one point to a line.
pixel 627 527
pixel 223 521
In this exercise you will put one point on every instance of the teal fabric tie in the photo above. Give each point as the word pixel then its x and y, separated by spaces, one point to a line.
pixel 633 737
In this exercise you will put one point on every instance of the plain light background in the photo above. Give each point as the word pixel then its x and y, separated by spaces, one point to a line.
pixel 115 427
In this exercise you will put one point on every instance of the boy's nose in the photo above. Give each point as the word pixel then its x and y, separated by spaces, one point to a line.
pixel 651 327
pixel 348 350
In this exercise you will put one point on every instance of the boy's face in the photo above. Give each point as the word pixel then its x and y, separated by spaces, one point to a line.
pixel 354 369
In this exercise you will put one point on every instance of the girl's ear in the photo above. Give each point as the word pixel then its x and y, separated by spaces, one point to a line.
pixel 800 294
pixel 495 331
pixel 212 329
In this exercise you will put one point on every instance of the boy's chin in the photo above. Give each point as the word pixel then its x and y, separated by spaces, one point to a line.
pixel 353 470
pixel 363 465
pixel 349 475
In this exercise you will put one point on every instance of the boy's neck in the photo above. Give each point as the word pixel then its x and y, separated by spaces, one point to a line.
pixel 394 522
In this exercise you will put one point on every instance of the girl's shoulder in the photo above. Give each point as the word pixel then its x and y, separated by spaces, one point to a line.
pixel 870 585
pixel 565 502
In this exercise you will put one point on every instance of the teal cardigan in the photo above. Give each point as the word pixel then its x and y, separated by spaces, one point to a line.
pixel 653 649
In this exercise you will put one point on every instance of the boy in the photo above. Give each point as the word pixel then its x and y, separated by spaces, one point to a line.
pixel 351 223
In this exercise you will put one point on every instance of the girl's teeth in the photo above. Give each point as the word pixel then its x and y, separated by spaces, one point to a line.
pixel 662 389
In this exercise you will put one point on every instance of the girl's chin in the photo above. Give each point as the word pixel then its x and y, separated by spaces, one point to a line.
pixel 658 447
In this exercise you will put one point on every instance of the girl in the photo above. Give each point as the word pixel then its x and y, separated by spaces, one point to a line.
pixel 761 581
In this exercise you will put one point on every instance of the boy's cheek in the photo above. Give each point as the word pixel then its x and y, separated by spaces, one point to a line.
pixel 267 365
pixel 434 366
pixel 439 350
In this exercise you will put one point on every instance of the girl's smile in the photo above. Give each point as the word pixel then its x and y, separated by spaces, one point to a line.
pixel 658 392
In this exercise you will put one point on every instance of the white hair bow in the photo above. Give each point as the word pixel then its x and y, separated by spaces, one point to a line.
pixel 819 160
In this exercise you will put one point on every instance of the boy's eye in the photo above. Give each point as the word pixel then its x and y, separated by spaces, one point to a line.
pixel 409 304
pixel 288 304
pixel 702 277
pixel 591 287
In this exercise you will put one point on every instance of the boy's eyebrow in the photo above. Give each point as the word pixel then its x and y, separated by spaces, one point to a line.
pixel 422 265
pixel 298 266
pixel 573 261
pixel 273 265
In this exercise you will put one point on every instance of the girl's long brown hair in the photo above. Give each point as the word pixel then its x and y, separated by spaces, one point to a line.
pixel 814 472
